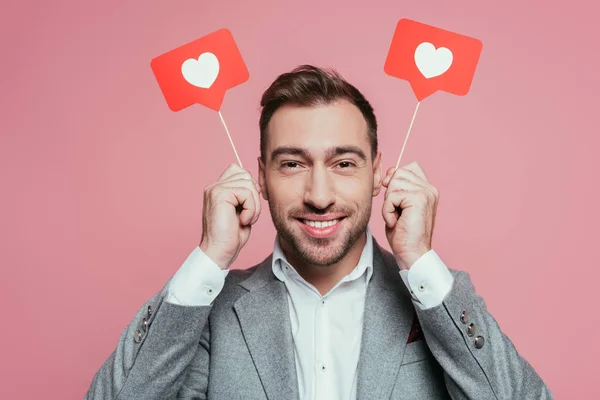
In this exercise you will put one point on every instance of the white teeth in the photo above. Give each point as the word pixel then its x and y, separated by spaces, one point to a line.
pixel 321 224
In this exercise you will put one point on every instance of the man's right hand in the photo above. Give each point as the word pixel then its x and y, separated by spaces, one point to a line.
pixel 231 207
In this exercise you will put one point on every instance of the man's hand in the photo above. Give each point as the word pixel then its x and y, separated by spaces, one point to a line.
pixel 231 207
pixel 409 212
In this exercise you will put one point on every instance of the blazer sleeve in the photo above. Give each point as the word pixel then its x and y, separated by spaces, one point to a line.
pixel 151 360
pixel 479 360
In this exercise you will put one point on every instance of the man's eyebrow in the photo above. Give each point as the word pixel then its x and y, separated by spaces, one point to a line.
pixel 290 151
pixel 340 150
pixel 331 152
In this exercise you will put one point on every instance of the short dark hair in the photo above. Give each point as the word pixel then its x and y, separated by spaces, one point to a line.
pixel 309 86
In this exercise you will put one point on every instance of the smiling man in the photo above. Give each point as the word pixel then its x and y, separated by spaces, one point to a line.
pixel 329 314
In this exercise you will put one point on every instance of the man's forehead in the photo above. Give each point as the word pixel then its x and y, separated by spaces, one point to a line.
pixel 338 111
pixel 318 128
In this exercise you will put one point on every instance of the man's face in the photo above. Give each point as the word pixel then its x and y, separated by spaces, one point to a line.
pixel 319 179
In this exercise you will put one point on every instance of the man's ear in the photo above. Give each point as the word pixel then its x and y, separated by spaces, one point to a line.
pixel 262 182
pixel 377 174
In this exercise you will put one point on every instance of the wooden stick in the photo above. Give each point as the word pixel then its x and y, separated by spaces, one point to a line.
pixel 408 134
pixel 230 141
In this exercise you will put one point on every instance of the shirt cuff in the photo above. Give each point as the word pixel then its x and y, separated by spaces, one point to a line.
pixel 197 282
pixel 428 279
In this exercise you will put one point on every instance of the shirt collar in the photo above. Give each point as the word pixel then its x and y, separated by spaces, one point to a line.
pixel 365 263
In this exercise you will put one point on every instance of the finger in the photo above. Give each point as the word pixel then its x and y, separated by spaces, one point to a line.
pixel 247 184
pixel 415 168
pixel 241 175
pixel 401 183
pixel 419 194
pixel 393 203
pixel 411 176
pixel 231 170
pixel 389 215
pixel 388 210
pixel 389 172
pixel 243 196
pixel 407 175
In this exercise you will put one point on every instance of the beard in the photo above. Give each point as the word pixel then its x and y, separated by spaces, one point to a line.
pixel 321 252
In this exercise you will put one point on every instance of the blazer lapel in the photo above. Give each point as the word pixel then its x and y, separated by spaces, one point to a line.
pixel 388 319
pixel 264 318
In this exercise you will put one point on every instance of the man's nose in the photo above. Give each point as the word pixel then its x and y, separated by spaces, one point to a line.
pixel 319 190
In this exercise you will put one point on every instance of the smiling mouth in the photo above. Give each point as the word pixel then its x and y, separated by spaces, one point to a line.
pixel 320 224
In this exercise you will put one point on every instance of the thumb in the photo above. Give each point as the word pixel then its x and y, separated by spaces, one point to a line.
pixel 388 176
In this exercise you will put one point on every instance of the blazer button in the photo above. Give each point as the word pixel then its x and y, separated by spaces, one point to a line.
pixel 479 341
pixel 145 324
pixel 138 336
pixel 149 312
pixel 464 317
pixel 471 329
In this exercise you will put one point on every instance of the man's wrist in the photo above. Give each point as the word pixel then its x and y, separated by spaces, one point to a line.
pixel 408 259
pixel 214 256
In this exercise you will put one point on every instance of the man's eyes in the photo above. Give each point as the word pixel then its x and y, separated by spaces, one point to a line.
pixel 296 165
pixel 290 164
pixel 346 164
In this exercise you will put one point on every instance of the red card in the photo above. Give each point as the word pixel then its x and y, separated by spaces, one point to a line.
pixel 432 59
pixel 200 71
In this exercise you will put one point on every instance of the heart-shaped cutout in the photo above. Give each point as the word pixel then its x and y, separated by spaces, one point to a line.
pixel 432 62
pixel 201 72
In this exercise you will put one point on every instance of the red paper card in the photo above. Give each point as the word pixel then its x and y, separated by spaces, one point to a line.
pixel 432 59
pixel 200 71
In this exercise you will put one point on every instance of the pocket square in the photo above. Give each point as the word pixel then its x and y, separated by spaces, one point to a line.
pixel 416 333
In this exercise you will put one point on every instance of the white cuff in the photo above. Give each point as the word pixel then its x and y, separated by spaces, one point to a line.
pixel 197 282
pixel 428 280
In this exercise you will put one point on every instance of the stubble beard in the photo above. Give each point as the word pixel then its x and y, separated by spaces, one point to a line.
pixel 321 252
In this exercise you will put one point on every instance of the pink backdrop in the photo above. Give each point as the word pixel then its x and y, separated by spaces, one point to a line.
pixel 102 184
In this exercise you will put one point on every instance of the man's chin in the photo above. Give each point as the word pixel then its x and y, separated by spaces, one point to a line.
pixel 321 252
pixel 321 261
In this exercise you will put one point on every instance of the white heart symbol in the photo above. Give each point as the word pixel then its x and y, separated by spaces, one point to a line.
pixel 201 72
pixel 431 61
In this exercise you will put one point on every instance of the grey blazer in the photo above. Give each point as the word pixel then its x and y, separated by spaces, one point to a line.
pixel 241 347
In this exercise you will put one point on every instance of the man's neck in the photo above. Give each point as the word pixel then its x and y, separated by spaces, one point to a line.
pixel 325 278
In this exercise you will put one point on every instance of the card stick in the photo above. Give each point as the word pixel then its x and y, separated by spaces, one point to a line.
pixel 230 141
pixel 408 133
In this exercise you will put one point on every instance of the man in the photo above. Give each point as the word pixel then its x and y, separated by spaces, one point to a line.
pixel 329 314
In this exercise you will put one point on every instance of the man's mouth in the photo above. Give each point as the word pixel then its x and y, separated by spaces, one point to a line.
pixel 323 227
pixel 320 224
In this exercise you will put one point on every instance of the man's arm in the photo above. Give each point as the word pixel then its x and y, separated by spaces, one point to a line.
pixel 154 351
pixel 152 356
pixel 479 360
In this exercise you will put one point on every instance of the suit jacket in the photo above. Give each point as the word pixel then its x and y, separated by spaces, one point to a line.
pixel 240 347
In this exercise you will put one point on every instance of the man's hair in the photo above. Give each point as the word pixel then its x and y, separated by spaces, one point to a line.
pixel 309 86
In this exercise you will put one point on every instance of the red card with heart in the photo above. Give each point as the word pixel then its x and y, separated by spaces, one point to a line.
pixel 200 71
pixel 432 59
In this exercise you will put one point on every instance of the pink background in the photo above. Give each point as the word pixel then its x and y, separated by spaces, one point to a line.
pixel 102 184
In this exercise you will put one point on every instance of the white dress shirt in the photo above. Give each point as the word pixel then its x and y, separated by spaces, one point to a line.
pixel 326 330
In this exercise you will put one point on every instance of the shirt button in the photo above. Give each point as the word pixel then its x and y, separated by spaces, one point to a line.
pixel 209 290
pixel 322 302
pixel 422 287
pixel 323 368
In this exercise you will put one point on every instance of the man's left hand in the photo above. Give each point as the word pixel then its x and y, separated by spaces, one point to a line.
pixel 409 210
